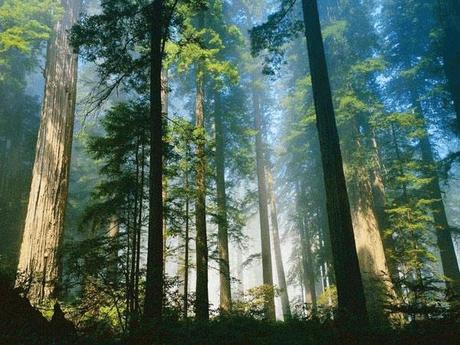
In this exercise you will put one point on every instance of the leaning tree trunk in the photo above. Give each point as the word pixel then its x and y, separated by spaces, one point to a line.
pixel 277 248
pixel 222 222
pixel 350 291
pixel 153 306
pixel 202 298
pixel 38 261
pixel 263 210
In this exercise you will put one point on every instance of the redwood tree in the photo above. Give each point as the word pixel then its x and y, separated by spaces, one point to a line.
pixel 348 277
pixel 153 308
pixel 44 225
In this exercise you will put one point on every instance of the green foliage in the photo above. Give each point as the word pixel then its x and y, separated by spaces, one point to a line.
pixel 254 301
pixel 24 26
pixel 274 35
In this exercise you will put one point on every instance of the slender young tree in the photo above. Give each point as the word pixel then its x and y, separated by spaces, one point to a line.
pixel 352 303
pixel 277 246
pixel 44 226
pixel 263 207
pixel 187 237
pixel 224 265
pixel 202 298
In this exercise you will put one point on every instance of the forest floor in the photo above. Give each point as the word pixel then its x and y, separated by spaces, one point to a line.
pixel 21 324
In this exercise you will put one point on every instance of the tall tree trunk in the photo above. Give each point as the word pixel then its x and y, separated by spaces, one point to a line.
pixel 441 223
pixel 263 209
pixel 153 307
pixel 309 268
pixel 379 203
pixel 277 247
pixel 202 298
pixel 224 262
pixel 450 22
pixel 44 224
pixel 352 303
pixel 369 244
pixel 308 273
pixel 164 110
pixel 140 225
pixel 187 239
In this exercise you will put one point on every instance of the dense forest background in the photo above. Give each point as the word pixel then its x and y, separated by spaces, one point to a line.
pixel 248 172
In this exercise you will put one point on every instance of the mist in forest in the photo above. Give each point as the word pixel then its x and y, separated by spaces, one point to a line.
pixel 229 171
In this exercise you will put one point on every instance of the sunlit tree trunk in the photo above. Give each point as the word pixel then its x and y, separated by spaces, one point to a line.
pixel 153 307
pixel 379 203
pixel 277 247
pixel 263 209
pixel 224 266
pixel 352 303
pixel 38 261
pixel 202 298
pixel 369 244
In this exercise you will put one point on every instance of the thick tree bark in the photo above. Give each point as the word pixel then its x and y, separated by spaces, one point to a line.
pixel 450 22
pixel 263 209
pixel 224 262
pixel 352 303
pixel 277 247
pixel 202 298
pixel 369 244
pixel 44 225
pixel 379 203
pixel 153 307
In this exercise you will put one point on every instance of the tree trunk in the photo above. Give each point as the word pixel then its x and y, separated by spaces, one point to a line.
pixel 263 209
pixel 153 307
pixel 224 262
pixel 450 22
pixel 277 248
pixel 379 204
pixel 187 239
pixel 352 303
pixel 202 298
pixel 308 262
pixel 441 223
pixel 164 110
pixel 44 225
pixel 308 273
pixel 369 244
